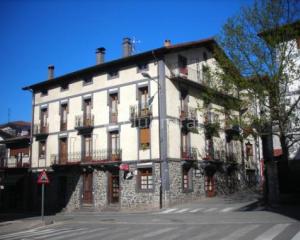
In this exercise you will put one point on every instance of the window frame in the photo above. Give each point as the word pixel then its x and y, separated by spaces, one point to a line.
pixel 41 145
pixel 110 74
pixel 142 172
pixel 142 67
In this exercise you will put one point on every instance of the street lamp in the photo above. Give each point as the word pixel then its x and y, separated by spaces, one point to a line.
pixel 150 100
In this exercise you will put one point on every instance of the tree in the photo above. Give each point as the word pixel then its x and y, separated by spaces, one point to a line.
pixel 259 61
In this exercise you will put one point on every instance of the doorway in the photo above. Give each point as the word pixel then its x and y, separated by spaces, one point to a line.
pixel 113 188
pixel 87 188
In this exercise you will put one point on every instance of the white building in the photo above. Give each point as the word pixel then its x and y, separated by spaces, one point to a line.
pixel 131 132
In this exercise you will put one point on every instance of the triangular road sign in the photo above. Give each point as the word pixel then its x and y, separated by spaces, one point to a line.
pixel 43 178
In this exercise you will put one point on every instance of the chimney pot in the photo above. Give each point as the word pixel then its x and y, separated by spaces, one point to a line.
pixel 100 54
pixel 50 71
pixel 167 43
pixel 127 47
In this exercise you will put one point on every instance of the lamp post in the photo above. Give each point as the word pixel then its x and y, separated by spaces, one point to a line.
pixel 147 75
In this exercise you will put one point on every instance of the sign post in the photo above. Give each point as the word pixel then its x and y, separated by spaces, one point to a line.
pixel 43 179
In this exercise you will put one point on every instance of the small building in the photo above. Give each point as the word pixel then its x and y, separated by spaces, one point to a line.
pixel 14 166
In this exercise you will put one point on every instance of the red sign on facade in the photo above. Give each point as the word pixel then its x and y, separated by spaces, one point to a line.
pixel 124 167
pixel 43 178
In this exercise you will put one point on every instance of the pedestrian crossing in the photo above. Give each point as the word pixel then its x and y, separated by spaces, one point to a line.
pixel 163 232
pixel 197 210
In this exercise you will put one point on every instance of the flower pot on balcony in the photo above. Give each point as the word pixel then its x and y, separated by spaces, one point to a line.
pixel 211 130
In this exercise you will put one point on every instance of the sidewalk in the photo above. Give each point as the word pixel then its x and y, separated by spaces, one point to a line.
pixel 22 223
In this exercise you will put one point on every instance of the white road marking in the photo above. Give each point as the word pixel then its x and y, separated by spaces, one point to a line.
pixel 272 232
pixel 182 210
pixel 240 232
pixel 59 232
pixel 296 237
pixel 15 234
pixel 88 231
pixel 210 210
pixel 169 210
pixel 196 210
pixel 227 209
pixel 158 232
pixel 97 234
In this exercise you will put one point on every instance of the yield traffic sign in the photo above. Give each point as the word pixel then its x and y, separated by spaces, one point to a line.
pixel 43 178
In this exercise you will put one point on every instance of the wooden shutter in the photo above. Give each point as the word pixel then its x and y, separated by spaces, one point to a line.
pixel 144 136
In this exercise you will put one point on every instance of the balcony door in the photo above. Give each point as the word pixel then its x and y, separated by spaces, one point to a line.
pixel 184 144
pixel 87 148
pixel 114 108
pixel 87 188
pixel 143 99
pixel 114 142
pixel 183 103
pixel 63 115
pixel 182 65
pixel 87 118
pixel 44 120
pixel 63 150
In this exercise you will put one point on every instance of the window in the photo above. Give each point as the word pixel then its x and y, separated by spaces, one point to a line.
pixel 44 92
pixel 63 117
pixel 298 43
pixel 113 104
pixel 142 67
pixel 186 178
pixel 87 80
pixel 145 179
pixel 144 138
pixel 204 56
pixel 183 102
pixel 64 87
pixel 184 144
pixel 113 74
pixel 87 110
pixel 42 150
pixel 182 65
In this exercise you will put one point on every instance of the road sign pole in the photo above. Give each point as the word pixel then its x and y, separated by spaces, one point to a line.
pixel 42 207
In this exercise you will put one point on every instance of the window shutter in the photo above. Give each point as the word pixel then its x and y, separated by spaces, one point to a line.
pixel 144 136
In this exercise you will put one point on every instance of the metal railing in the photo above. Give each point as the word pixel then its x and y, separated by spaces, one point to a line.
pixel 15 162
pixel 85 120
pixel 105 155
pixel 139 111
pixel 189 153
pixel 42 128
pixel 188 113
pixel 194 74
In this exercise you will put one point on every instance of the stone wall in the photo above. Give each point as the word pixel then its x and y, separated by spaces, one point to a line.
pixel 133 198
pixel 74 191
pixel 176 193
pixel 100 189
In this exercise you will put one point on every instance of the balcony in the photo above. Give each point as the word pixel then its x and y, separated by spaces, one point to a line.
pixel 188 118
pixel 140 116
pixel 15 162
pixel 193 74
pixel 41 131
pixel 188 153
pixel 232 132
pixel 84 157
pixel 84 123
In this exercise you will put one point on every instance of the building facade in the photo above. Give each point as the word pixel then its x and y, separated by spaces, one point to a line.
pixel 15 178
pixel 136 133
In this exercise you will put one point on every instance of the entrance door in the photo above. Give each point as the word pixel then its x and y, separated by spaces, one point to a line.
pixel 114 188
pixel 87 188
pixel 63 150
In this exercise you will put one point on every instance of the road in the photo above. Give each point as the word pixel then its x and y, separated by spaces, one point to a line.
pixel 209 219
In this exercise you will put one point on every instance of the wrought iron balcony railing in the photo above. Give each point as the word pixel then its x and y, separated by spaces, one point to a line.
pixel 15 162
pixel 84 121
pixel 188 113
pixel 96 156
pixel 188 153
pixel 140 116
pixel 40 129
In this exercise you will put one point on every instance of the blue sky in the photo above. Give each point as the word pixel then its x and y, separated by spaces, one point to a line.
pixel 36 33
